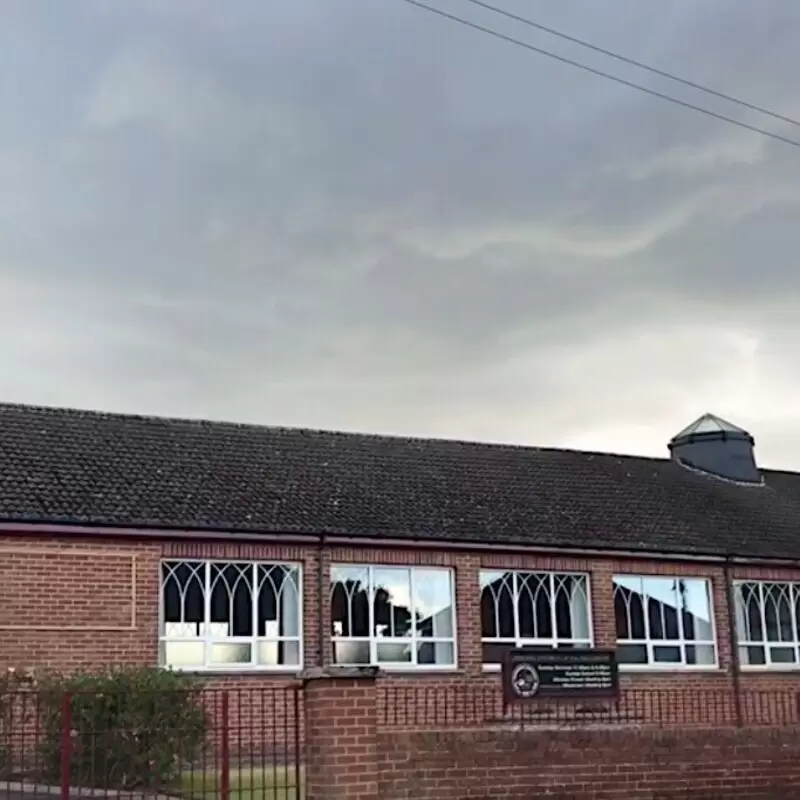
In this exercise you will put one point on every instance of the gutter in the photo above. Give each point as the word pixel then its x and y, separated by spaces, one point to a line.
pixel 61 529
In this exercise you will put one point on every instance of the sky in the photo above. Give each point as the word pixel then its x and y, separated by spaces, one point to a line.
pixel 352 214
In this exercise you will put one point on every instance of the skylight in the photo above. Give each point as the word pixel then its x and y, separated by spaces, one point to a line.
pixel 709 423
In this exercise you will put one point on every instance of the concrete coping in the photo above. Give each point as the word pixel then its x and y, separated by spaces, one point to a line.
pixel 339 673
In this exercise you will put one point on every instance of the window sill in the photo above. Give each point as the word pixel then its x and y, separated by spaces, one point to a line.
pixel 769 669
pixel 650 669
pixel 405 669
pixel 419 672
pixel 279 672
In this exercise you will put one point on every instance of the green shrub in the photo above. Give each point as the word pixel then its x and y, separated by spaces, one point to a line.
pixel 130 728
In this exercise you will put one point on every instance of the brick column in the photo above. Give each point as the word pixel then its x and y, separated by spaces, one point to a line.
pixel 603 615
pixel 468 611
pixel 341 734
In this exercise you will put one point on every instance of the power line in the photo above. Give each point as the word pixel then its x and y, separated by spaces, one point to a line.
pixel 639 64
pixel 600 73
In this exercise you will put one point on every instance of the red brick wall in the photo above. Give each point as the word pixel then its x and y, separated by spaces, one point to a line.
pixel 71 602
pixel 341 745
pixel 68 604
pixel 591 764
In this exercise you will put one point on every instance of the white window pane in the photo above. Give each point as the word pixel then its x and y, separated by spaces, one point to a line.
pixel 749 626
pixel 571 606
pixel 629 608
pixel 231 653
pixel 633 583
pixel 661 589
pixel 632 654
pixel 752 656
pixel 488 577
pixel 777 612
pixel 271 654
pixel 354 652
pixel 278 600
pixel 218 630
pixel 783 655
pixel 535 605
pixel 701 654
pixel 391 600
pixel 497 605
pixel 433 603
pixel 667 654
pixel 183 630
pixel 395 653
pixel 183 593
pixel 438 653
pixel 662 607
pixel 580 608
pixel 183 654
pixel 349 601
pixel 290 604
pixel 231 597
pixel 696 608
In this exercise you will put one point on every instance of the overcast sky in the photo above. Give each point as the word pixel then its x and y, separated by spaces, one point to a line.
pixel 353 214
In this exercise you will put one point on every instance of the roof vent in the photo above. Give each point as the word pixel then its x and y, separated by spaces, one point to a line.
pixel 712 445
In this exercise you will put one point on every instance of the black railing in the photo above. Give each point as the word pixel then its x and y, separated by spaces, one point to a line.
pixel 481 705
pixel 207 744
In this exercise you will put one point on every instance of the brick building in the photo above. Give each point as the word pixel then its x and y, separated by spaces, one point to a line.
pixel 250 553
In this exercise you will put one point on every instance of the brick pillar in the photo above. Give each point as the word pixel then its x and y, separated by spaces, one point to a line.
pixel 341 734
pixel 468 610
pixel 603 616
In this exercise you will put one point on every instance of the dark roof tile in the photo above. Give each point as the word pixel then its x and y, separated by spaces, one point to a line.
pixel 83 467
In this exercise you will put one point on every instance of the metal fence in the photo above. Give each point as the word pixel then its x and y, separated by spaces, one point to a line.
pixel 481 705
pixel 236 743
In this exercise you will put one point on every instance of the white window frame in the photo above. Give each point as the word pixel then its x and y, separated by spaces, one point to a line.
pixel 554 641
pixel 412 640
pixel 765 644
pixel 208 638
pixel 666 666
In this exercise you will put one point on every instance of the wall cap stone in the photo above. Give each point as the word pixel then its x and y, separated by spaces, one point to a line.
pixel 339 673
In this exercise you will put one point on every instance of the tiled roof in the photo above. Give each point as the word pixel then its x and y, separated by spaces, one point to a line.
pixel 84 467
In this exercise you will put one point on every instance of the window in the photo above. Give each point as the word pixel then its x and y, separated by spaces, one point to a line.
pixel 533 608
pixel 230 615
pixel 767 615
pixel 392 616
pixel 664 621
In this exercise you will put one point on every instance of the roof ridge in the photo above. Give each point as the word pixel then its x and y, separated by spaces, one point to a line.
pixel 370 435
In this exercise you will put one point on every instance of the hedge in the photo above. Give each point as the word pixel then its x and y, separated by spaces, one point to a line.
pixel 129 728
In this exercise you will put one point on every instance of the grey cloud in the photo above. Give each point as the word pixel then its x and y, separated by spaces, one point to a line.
pixel 356 215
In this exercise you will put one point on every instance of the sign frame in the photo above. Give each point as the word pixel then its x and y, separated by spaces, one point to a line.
pixel 531 674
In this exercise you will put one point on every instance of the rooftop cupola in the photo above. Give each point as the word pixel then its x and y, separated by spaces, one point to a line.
pixel 717 447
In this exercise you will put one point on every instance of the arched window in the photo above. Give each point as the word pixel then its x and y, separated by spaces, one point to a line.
pixel 230 615
pixel 519 609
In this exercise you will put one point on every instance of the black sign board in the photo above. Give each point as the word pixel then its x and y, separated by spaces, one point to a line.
pixel 534 673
